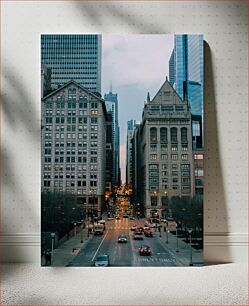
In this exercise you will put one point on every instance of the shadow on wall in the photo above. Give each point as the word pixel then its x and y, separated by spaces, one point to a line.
pixel 19 119
pixel 123 16
pixel 215 210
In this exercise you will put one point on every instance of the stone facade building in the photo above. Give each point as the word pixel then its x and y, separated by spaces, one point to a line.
pixel 166 150
pixel 73 146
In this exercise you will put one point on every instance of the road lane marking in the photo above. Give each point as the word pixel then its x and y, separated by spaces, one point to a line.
pixel 99 246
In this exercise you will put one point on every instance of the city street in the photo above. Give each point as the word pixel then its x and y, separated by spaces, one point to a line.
pixel 125 254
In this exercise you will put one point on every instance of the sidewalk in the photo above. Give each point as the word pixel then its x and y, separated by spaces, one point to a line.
pixel 68 250
pixel 183 255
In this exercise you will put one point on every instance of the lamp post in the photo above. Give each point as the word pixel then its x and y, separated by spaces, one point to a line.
pixel 81 232
pixel 167 235
pixel 190 245
pixel 52 248
pixel 88 223
pixel 75 224
pixel 177 249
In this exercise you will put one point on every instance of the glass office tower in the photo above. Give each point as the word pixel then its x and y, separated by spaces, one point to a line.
pixel 73 57
pixel 186 73
pixel 111 103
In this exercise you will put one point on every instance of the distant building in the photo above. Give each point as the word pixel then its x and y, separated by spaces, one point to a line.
pixel 111 102
pixel 109 153
pixel 198 162
pixel 73 57
pixel 165 150
pixel 45 80
pixel 186 73
pixel 131 125
pixel 74 145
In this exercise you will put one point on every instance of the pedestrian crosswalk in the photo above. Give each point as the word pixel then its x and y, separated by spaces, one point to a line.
pixel 118 227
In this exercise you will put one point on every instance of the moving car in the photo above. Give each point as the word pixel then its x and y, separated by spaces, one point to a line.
pixel 117 218
pixel 132 218
pixel 144 250
pixel 146 227
pixel 138 235
pixel 99 229
pixel 102 261
pixel 122 238
pixel 110 218
pixel 125 216
pixel 133 227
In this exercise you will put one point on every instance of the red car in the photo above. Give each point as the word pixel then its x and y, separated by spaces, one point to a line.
pixel 138 235
pixel 144 250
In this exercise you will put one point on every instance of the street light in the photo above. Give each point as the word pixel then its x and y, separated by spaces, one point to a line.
pixel 167 235
pixel 190 245
pixel 75 224
pixel 81 232
pixel 177 249
pixel 52 249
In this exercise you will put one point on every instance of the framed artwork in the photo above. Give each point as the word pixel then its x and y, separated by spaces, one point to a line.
pixel 122 150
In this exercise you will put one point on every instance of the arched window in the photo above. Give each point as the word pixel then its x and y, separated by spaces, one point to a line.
pixel 173 134
pixel 163 135
pixel 184 134
pixel 153 134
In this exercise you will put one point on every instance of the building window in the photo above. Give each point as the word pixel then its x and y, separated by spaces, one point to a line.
pixel 164 147
pixel 173 134
pixel 198 156
pixel 153 156
pixel 153 201
pixel 184 134
pixel 164 156
pixel 199 172
pixel 163 135
pixel 153 134
pixel 174 147
pixel 184 147
pixel 174 156
pixel 153 147
pixel 94 120
pixel 184 156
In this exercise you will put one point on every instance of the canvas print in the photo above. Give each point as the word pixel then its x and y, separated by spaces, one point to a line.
pixel 122 150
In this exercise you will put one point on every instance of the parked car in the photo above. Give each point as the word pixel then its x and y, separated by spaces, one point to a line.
pixel 144 250
pixel 102 261
pixel 122 238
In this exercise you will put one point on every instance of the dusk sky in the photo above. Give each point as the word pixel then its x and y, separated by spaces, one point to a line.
pixel 134 64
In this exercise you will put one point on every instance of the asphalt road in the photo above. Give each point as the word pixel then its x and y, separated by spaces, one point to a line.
pixel 125 254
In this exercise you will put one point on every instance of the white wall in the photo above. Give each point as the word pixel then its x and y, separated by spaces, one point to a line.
pixel 224 25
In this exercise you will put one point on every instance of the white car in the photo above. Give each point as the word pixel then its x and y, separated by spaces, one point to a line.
pixel 102 261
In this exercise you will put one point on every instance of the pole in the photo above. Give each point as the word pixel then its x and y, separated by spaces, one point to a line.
pixel 190 245
pixel 52 249
pixel 167 236
pixel 81 234
pixel 177 250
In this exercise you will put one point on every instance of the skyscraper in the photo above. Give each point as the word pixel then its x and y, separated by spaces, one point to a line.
pixel 73 57
pixel 111 102
pixel 131 126
pixel 186 73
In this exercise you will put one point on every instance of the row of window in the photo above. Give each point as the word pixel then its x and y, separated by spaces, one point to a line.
pixel 71 136
pixel 164 147
pixel 70 152
pixel 166 108
pixel 69 159
pixel 62 144
pixel 71 105
pixel 164 134
pixel 165 156
pixel 47 183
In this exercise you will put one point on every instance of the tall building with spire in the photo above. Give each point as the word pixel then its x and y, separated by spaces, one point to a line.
pixel 111 102
pixel 73 57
